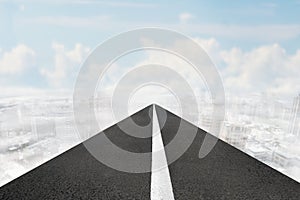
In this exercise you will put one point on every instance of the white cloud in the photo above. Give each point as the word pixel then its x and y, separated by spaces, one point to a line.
pixel 267 32
pixel 22 7
pixel 212 48
pixel 270 5
pixel 165 59
pixel 17 60
pixel 268 69
pixel 116 3
pixel 185 17
pixel 70 21
pixel 264 32
pixel 90 2
pixel 66 63
pixel 265 69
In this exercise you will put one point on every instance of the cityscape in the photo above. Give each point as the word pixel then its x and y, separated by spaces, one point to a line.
pixel 34 130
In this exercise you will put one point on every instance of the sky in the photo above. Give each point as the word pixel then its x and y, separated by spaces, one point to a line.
pixel 255 44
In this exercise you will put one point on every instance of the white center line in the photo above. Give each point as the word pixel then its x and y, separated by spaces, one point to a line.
pixel 161 186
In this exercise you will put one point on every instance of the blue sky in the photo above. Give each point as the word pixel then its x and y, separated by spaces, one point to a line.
pixel 49 31
pixel 23 19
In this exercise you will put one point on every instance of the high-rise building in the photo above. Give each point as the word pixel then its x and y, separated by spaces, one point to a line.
pixel 43 127
pixel 236 134
pixel 294 126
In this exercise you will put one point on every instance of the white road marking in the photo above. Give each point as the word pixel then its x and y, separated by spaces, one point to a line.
pixel 161 185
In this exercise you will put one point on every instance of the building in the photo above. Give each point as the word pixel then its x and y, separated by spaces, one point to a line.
pixel 294 124
pixel 259 152
pixel 43 127
pixel 236 134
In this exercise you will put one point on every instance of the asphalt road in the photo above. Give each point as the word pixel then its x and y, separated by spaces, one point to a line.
pixel 225 173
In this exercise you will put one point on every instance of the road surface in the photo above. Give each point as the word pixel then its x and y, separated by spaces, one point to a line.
pixel 226 173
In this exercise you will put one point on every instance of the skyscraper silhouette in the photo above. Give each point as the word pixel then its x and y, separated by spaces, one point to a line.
pixel 294 126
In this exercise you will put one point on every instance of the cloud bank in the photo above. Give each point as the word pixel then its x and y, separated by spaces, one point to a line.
pixel 265 69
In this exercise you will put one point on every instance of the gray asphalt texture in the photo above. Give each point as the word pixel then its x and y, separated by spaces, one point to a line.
pixel 225 173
